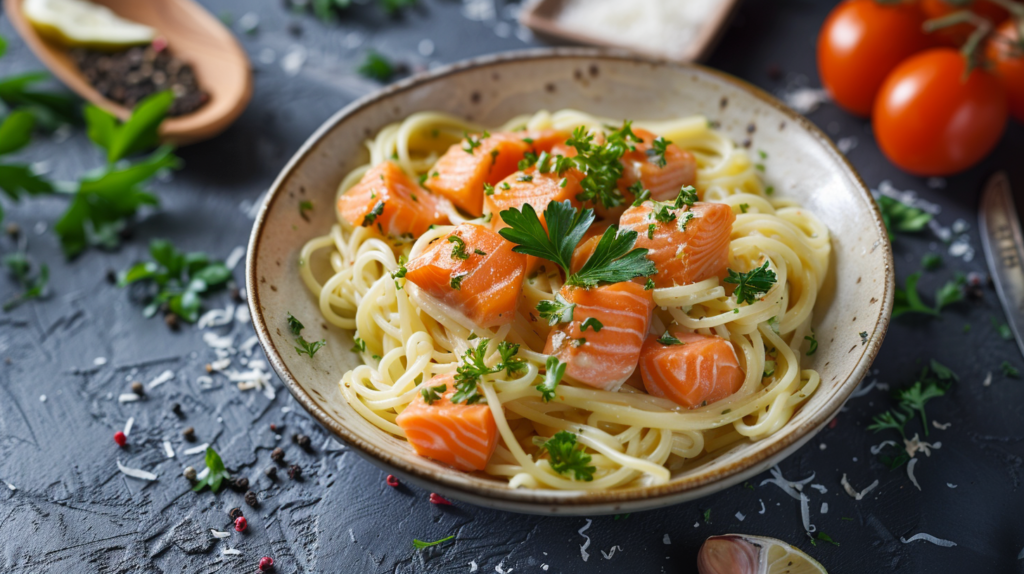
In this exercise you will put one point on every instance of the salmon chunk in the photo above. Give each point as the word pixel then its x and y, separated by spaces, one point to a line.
pixel 460 174
pixel 664 182
pixel 683 256
pixel 534 188
pixel 698 370
pixel 605 354
pixel 387 199
pixel 458 434
pixel 473 273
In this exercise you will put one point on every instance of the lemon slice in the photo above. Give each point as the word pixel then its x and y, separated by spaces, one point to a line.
pixel 743 554
pixel 81 24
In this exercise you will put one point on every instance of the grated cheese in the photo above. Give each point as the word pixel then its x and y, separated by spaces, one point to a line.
pixel 216 317
pixel 216 342
pixel 128 398
pixel 584 546
pixel 762 506
pixel 607 555
pixel 824 508
pixel 910 472
pixel 168 450
pixel 231 552
pixel 878 447
pixel 136 472
pixel 928 538
pixel 196 449
pixel 666 540
pixel 951 485
pixel 664 27
pixel 219 534
pixel 853 493
pixel 740 516
pixel 941 426
pixel 234 257
pixel 128 426
pixel 161 379
pixel 820 488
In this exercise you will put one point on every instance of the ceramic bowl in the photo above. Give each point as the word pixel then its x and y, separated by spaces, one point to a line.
pixel 804 166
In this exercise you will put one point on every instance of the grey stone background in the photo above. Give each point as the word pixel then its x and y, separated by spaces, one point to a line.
pixel 72 511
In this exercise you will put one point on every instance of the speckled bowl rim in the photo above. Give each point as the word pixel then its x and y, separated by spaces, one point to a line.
pixel 547 501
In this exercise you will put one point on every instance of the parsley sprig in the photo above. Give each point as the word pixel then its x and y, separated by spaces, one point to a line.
pixel 752 284
pixel 899 216
pixel 557 311
pixel 554 370
pixel 217 472
pixel 657 151
pixel 180 279
pixel 420 545
pixel 600 163
pixel 668 339
pixel 614 260
pixel 566 458
pixel 431 394
pixel 304 347
pixel 933 382
pixel 33 287
pixel 908 300
pixel 474 367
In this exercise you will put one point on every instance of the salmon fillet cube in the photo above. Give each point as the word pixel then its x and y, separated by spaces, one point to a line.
pixel 701 370
pixel 664 182
pixel 460 175
pixel 457 434
pixel 388 200
pixel 608 356
pixel 699 252
pixel 476 276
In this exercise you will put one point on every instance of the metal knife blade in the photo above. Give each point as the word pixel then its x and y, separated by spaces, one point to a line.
pixel 1004 249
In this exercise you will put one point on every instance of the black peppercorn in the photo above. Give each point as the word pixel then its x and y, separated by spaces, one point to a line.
pixel 172 321
pixel 251 499
pixel 176 409
pixel 301 440
pixel 271 472
pixel 240 484
pixel 295 472
pixel 277 455
pixel 234 513
pixel 111 276
pixel 138 389
pixel 236 295
pixel 189 433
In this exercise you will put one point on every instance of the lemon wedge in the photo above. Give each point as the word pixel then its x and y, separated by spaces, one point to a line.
pixel 743 554
pixel 81 24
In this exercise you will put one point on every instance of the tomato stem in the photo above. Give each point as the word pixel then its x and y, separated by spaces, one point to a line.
pixel 970 49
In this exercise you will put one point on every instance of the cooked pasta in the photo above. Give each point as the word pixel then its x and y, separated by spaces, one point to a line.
pixel 632 437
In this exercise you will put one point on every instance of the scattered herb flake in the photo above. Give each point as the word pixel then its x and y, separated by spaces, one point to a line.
pixel 752 284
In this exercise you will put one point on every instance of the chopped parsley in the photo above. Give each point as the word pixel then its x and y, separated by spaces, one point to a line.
pixel 358 345
pixel 304 347
pixel 614 260
pixel 557 311
pixel 525 177
pixel 473 142
pixel 687 196
pixel 401 271
pixel 664 215
pixel 431 394
pixel 656 153
pixel 649 284
pixel 744 207
pixel 566 458
pixel 934 380
pixel 178 281
pixel 863 337
pixel 639 193
pixel 488 189
pixel 505 186
pixel 685 221
pixel 528 161
pixel 1003 329
pixel 908 300
pixel 814 344
pixel 651 229
pixel 752 284
pixel 707 516
pixel 770 190
pixel 901 217
pixel 305 206
pixel 600 163
pixel 592 323
pixel 667 339
pixel 376 67
pixel 459 249
pixel 15 133
pixel 377 211
pixel 217 472
pixel 769 369
pixel 20 268
pixel 1009 370
pixel 931 261
pixel 420 545
pixel 825 538
pixel 554 370
pixel 456 281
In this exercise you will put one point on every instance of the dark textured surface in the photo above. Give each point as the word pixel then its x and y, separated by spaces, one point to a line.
pixel 74 512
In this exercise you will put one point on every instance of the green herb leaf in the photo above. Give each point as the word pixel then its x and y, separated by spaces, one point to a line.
pixel 901 217
pixel 566 458
pixel 667 339
pixel 1003 329
pixel 50 110
pixel 687 196
pixel 1009 370
pixel 376 67
pixel 826 538
pixel 913 399
pixel 554 370
pixel 16 131
pixel 557 311
pixel 469 372
pixel 138 133
pixel 459 250
pixel 707 516
pixel 18 265
pixel 431 394
pixel 593 323
pixel 908 300
pixel 889 420
pixel 216 475
pixel 614 260
pixel 565 228
pixel 393 6
pixel 296 327
pixel 931 261
pixel 180 279
pixel 752 284
pixel 814 344
pixel 656 154
pixel 419 544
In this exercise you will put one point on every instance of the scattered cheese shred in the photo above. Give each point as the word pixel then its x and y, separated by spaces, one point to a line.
pixel 853 492
pixel 928 538
pixel 196 449
pixel 128 426
pixel 740 516
pixel 584 546
pixel 168 449
pixel 161 379
pixel 219 534
pixel 231 552
pixel 136 472
pixel 234 257
pixel 824 508
pixel 910 472
pixel 216 317
pixel 128 398
pixel 666 540
pixel 941 426
pixel 878 447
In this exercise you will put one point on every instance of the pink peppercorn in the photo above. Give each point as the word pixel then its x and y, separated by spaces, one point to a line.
pixel 240 524
pixel 392 481
pixel 438 499
pixel 120 439
pixel 159 44
pixel 266 564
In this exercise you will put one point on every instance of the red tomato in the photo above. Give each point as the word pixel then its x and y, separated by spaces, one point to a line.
pixel 930 120
pixel 1009 64
pixel 860 43
pixel 957 35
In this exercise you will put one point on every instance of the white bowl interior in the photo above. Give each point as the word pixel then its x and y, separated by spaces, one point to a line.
pixel 802 165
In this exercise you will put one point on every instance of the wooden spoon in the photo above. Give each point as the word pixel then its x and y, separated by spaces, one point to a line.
pixel 193 34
